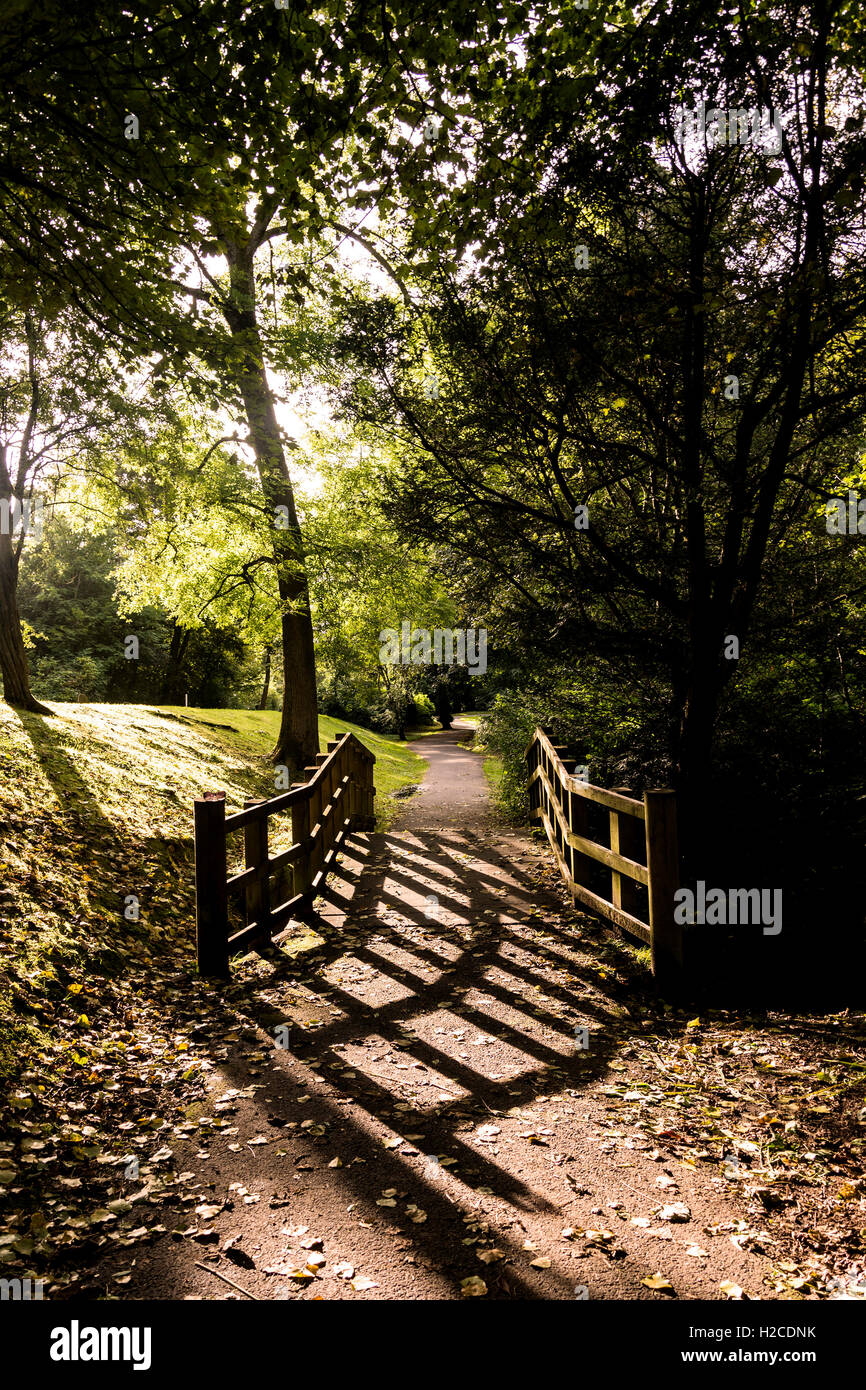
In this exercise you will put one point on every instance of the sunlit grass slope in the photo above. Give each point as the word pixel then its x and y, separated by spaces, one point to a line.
pixel 96 805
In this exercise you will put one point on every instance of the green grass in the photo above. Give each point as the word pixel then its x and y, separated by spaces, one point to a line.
pixel 97 803
pixel 494 771
pixel 253 733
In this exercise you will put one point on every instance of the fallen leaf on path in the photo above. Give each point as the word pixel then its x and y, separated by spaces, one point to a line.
pixel 208 1213
pixel 732 1290
pixel 659 1282
pixel 240 1257
pixel 285 1271
pixel 677 1211
pixel 473 1287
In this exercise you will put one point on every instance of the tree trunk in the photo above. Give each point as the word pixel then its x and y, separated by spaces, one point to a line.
pixel 442 705
pixel 263 702
pixel 170 688
pixel 694 762
pixel 13 653
pixel 298 741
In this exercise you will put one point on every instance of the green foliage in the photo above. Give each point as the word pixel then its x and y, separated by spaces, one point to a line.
pixel 77 629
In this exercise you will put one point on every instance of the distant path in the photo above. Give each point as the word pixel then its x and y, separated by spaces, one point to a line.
pixel 432 1121
pixel 454 790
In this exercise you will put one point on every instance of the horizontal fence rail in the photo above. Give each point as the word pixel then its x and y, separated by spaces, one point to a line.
pixel 642 852
pixel 335 799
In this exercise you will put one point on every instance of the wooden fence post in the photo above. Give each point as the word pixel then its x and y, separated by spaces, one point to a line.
pixel 352 811
pixel 211 911
pixel 301 876
pixel 626 838
pixel 371 794
pixel 664 874
pixel 317 806
pixel 256 857
pixel 531 763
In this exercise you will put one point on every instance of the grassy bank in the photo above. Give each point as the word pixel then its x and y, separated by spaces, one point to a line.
pixel 96 811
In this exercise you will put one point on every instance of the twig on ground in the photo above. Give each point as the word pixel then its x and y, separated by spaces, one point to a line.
pixel 209 1270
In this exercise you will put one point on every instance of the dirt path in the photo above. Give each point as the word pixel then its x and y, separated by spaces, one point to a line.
pixel 432 1120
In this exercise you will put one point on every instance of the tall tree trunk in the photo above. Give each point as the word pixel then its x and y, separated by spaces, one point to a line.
pixel 298 740
pixel 170 686
pixel 13 653
pixel 263 702
pixel 702 690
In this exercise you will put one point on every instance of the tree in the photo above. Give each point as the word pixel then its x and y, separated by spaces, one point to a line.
pixel 55 393
pixel 279 140
pixel 367 582
pixel 644 354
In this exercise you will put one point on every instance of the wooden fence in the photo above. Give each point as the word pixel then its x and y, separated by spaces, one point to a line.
pixel 641 854
pixel 336 798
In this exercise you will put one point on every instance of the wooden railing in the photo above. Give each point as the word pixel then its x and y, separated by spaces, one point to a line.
pixel 336 798
pixel 641 854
